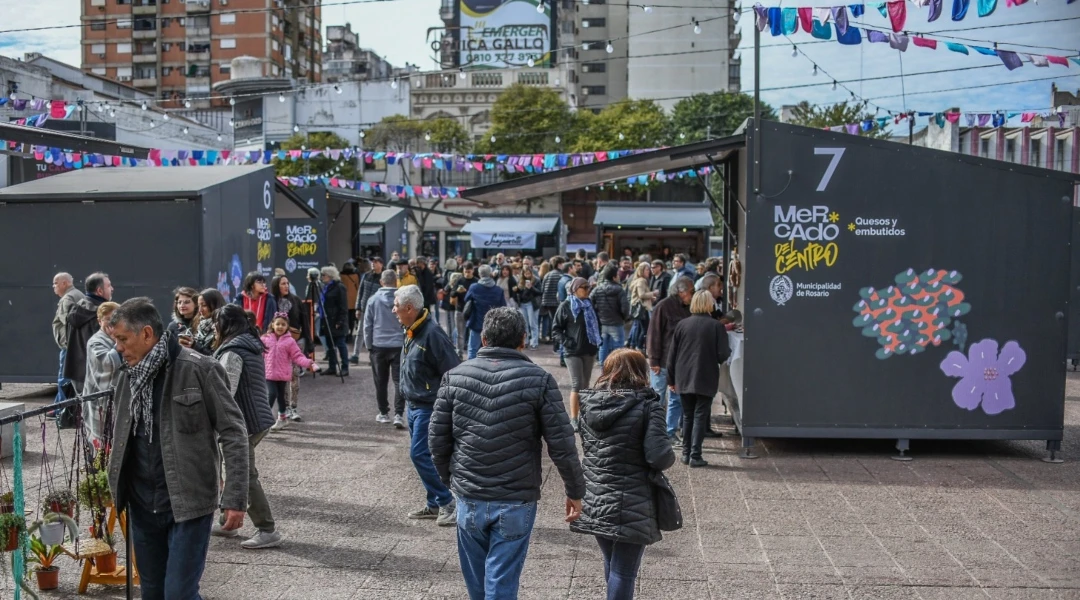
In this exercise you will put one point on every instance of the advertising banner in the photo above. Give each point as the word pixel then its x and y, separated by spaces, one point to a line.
pixel 496 34
pixel 504 241
pixel 301 245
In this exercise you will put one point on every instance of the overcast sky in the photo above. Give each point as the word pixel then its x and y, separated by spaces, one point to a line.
pixel 1053 23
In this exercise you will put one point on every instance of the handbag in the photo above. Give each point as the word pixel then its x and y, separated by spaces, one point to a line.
pixel 468 309
pixel 668 511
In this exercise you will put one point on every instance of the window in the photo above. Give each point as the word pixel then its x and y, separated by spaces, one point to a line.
pixel 97 26
pixel 122 2
pixel 596 22
pixel 146 73
pixel 99 71
pixel 123 23
pixel 1010 150
pixel 224 69
pixel 123 71
pixel 984 148
pixel 275 45
pixel 594 68
pixel 228 42
pixel 1059 154
pixel 593 90
pixel 734 71
pixel 97 49
pixel 1035 153
pixel 166 71
pixel 181 20
pixel 183 46
pixel 166 47
pixel 123 48
pixel 165 22
pixel 276 70
pixel 229 19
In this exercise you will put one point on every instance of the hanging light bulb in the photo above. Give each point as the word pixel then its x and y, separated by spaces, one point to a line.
pixel 296 128
pixel 427 137
pixel 362 135
pixel 735 16
pixel 232 101
pixel 219 137
pixel 152 124
pixel 585 46
pixel 647 9
pixel 166 117
pixel 144 107
pixel 621 136
pixel 558 81
pixel 558 140
pixel 112 113
pixel 337 88
pixel 531 63
pixel 877 110
pixel 814 72
pixel 185 131
pixel 393 83
pixel 281 97
pixel 492 139
pixel 697 26
pixel 303 148
pixel 187 103
pixel 540 7
pixel 461 73
pixel 682 135
pixel 834 85
pixel 609 47
pixel 232 123
pixel 794 51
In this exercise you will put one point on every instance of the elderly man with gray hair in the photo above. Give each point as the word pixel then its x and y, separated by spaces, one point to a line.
pixel 426 355
pixel 383 338
pixel 63 286
pixel 666 315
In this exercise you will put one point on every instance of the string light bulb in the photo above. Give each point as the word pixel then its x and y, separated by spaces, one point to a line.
pixel 144 107
pixel 427 137
pixel 187 103
pixel 166 117
pixel 112 113
pixel 393 84
pixel 492 139
pixel 296 128
pixel 461 73
pixel 531 63
pixel 337 88
pixel 621 136
pixel 232 123
pixel 814 72
pixel 697 26
pixel 647 9
pixel 152 125
pixel 232 101
pixel 794 51
pixel 609 47
pixel 185 131
pixel 281 97
pixel 362 135
pixel 558 140
pixel 834 85
pixel 540 7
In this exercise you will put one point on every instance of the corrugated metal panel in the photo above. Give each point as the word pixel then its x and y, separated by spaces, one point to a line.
pixel 134 182
pixel 512 225
pixel 642 214
pixel 378 214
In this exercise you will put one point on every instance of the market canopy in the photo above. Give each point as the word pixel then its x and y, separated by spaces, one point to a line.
pixel 377 215
pixel 653 214
pixel 512 232
pixel 38 136
pixel 675 158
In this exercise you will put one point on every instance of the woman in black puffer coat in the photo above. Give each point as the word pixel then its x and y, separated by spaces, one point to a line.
pixel 624 437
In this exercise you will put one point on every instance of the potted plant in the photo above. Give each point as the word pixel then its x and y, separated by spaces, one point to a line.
pixel 106 563
pixel 10 526
pixel 60 501
pixel 7 502
pixel 48 575
pixel 94 492
pixel 52 527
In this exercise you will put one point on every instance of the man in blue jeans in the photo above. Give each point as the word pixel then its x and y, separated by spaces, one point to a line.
pixel 486 431
pixel 64 287
pixel 426 356
pixel 665 316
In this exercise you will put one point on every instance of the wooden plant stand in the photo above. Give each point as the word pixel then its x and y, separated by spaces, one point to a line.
pixel 89 549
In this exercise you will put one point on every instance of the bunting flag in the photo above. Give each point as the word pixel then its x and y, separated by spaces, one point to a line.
pixel 819 21
pixel 998 119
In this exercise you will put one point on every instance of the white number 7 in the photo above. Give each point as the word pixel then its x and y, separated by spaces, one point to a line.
pixel 836 154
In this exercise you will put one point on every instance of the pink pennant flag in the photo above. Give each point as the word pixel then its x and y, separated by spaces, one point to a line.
pixel 225 154
pixel 1027 117
pixel 897 14
pixel 806 18
pixel 1058 60
pixel 334 182
pixel 479 166
pixel 924 42
pixel 57 109
pixel 601 156
pixel 154 156
pixel 952 117
pixel 116 161
pixel 427 163
pixel 294 154
pixel 417 190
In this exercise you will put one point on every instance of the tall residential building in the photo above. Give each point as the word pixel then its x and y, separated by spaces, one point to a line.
pixel 345 60
pixel 177 50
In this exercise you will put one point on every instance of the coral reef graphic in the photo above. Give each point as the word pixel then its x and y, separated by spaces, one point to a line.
pixel 913 314
pixel 985 375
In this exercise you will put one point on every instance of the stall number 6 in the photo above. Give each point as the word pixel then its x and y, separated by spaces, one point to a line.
pixel 835 160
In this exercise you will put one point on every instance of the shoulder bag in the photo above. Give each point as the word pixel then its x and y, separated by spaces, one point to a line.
pixel 668 511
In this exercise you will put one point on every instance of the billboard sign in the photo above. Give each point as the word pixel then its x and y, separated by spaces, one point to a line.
pixel 496 34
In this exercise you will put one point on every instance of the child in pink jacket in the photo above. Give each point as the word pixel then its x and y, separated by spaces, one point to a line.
pixel 280 355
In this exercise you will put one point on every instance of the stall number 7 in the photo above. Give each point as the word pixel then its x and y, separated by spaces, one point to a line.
pixel 835 160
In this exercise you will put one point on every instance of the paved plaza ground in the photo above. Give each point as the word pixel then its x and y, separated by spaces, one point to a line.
pixel 808 519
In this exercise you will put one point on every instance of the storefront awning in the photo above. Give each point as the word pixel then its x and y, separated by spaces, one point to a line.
pixel 372 215
pixel 369 230
pixel 652 214
pixel 518 224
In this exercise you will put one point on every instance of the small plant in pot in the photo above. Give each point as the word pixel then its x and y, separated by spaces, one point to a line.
pixel 52 528
pixel 10 526
pixel 94 492
pixel 60 501
pixel 106 563
pixel 48 575
pixel 7 502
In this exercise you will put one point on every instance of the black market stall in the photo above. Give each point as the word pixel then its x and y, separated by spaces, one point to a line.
pixel 301 238
pixel 150 228
pixel 492 233
pixel 888 291
pixel 652 227
pixel 382 230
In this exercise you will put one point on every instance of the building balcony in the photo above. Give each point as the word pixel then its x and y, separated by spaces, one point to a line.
pixel 98 3
pixel 198 81
pixel 197 56
pixel 144 9
pixel 734 39
pixel 144 58
pixel 197 6
pixel 488 79
pixel 198 32
pixel 144 34
pixel 144 82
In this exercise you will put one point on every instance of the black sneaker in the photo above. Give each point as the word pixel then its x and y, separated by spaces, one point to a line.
pixel 354 360
pixel 684 459
pixel 425 513
pixel 697 462
pixel 713 433
pixel 330 372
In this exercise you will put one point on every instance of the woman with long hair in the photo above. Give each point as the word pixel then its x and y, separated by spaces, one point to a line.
pixel 577 331
pixel 257 299
pixel 699 346
pixel 543 314
pixel 299 329
pixel 239 349
pixel 641 304
pixel 185 313
pixel 623 438
pixel 507 282
pixel 208 301
pixel 527 291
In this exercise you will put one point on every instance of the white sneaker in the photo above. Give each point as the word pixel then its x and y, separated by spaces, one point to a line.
pixel 382 418
pixel 263 539
pixel 399 422
pixel 281 423
pixel 218 531
pixel 293 415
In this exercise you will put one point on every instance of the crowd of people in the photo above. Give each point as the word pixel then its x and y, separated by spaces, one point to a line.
pixel 219 377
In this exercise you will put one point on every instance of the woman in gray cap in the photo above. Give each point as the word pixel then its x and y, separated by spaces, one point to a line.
pixel 576 328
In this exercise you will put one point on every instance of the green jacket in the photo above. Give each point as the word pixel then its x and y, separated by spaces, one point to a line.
pixel 197 413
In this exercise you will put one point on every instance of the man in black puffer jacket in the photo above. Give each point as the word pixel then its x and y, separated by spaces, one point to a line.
pixel 612 308
pixel 485 436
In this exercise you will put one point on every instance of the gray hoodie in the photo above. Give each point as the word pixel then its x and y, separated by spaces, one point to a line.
pixel 381 326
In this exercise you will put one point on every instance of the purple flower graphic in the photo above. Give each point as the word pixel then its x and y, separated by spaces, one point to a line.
pixel 985 375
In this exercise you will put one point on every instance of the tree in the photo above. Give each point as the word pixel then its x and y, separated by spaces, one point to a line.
pixel 714 115
pixel 841 113
pixel 395 133
pixel 447 135
pixel 320 166
pixel 623 125
pixel 527 120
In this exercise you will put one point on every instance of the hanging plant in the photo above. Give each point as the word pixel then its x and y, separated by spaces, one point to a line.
pixel 52 528
pixel 11 525
pixel 7 502
pixel 60 501
pixel 94 492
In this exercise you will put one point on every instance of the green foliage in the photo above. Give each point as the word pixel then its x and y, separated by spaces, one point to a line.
pixel 395 133
pixel 714 115
pixel 94 490
pixel 837 114
pixel 447 135
pixel 62 497
pixel 43 555
pixel 319 166
pixel 9 522
pixel 640 123
pixel 526 120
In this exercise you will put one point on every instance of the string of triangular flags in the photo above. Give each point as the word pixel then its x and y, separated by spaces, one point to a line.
pixel 819 21
pixel 971 119
pixel 66 111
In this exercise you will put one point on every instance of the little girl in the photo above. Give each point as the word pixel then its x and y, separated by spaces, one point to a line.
pixel 281 353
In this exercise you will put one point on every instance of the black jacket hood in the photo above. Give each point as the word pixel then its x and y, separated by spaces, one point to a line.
pixel 600 409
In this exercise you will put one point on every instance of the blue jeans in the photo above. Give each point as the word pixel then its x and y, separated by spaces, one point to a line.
pixel 474 343
pixel 171 555
pixel 659 384
pixel 621 563
pixel 493 538
pixel 60 379
pixel 612 337
pixel 545 323
pixel 420 453
pixel 532 324
pixel 342 347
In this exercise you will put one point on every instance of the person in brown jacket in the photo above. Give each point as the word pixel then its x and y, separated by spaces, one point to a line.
pixel 666 315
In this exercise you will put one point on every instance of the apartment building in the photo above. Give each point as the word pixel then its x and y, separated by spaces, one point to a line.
pixel 345 60
pixel 179 49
